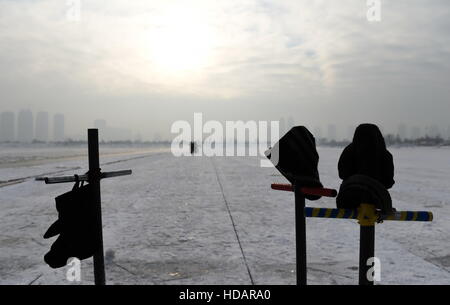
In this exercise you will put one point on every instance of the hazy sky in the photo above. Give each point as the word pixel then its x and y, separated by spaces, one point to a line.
pixel 143 64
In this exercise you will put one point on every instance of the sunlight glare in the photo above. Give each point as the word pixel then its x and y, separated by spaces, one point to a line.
pixel 181 42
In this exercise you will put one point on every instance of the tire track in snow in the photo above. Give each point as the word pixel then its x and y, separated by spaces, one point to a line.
pixel 232 222
pixel 23 179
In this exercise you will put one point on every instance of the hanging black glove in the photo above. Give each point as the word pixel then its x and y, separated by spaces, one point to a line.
pixel 75 226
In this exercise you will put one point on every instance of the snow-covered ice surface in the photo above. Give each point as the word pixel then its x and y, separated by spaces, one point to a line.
pixel 169 223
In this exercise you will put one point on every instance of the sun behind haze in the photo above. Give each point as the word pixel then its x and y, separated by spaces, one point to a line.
pixel 144 64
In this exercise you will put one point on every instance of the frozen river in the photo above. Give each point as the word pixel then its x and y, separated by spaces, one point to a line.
pixel 171 222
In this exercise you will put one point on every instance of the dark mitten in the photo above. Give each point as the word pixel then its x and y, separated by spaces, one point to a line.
pixel 75 226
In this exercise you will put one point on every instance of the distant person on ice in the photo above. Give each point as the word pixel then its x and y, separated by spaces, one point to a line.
pixel 367 170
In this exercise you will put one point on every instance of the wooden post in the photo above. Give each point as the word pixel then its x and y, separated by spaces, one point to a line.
pixel 94 180
pixel 300 235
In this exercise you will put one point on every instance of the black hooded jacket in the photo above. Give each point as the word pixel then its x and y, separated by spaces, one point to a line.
pixel 367 171
pixel 367 155
pixel 297 158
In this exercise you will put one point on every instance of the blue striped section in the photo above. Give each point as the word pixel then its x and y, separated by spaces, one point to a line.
pixel 423 216
pixel 350 214
pixel 347 213
pixel 308 212
pixel 334 213
pixel 409 215
pixel 322 213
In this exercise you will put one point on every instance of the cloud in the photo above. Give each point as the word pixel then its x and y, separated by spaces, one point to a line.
pixel 317 57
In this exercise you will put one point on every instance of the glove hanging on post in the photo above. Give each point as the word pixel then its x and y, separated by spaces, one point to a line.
pixel 75 226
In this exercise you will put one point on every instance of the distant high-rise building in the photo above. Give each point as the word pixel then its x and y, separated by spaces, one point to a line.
pixel 350 132
pixel 100 124
pixel 107 133
pixel 138 138
pixel 7 133
pixel 103 132
pixel 290 123
pixel 332 133
pixel 25 130
pixel 401 131
pixel 415 133
pixel 120 134
pixel 42 126
pixel 157 137
pixel 448 132
pixel 58 128
pixel 317 132
pixel 432 131
pixel 282 127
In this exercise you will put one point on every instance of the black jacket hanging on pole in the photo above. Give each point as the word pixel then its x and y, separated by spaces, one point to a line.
pixel 296 157
pixel 367 170
pixel 75 226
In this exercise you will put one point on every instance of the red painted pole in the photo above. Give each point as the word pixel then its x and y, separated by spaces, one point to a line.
pixel 317 191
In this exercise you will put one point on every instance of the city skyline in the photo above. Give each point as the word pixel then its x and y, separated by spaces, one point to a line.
pixel 28 129
pixel 319 62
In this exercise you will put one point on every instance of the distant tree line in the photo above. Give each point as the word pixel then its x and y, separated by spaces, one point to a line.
pixel 391 140
pixel 71 142
pixel 394 140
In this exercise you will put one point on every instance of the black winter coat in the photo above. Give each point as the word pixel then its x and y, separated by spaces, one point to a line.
pixel 367 170
pixel 367 155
